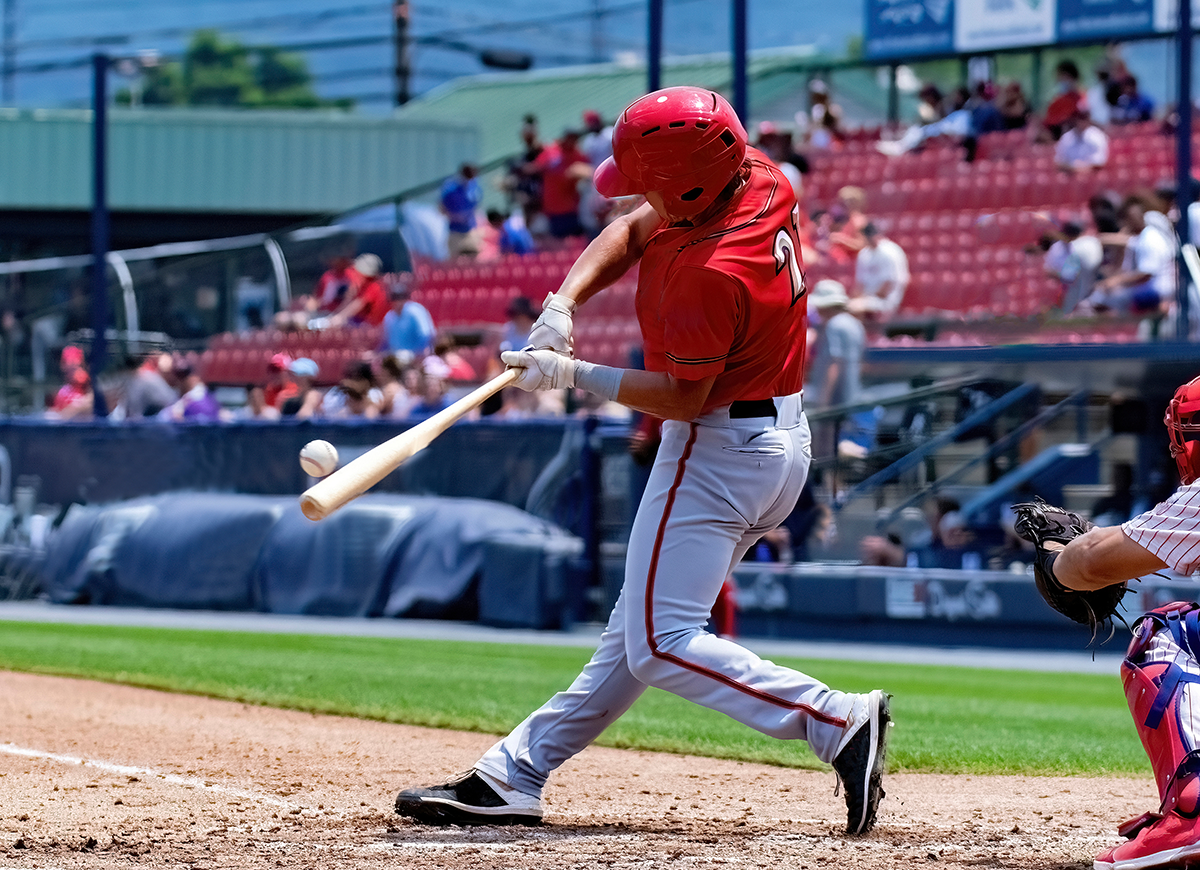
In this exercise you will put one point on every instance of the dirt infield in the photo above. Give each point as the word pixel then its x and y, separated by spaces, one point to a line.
pixel 95 775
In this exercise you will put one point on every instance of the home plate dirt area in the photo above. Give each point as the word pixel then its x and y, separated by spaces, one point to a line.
pixel 95 775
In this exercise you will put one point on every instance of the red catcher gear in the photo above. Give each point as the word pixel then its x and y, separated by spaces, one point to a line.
pixel 684 143
pixel 1183 427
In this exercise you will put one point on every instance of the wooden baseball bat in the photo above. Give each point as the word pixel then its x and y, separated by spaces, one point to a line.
pixel 356 477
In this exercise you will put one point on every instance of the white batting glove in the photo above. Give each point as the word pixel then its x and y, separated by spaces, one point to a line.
pixel 553 329
pixel 543 369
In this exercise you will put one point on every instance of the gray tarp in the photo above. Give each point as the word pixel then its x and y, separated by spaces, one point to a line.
pixel 381 555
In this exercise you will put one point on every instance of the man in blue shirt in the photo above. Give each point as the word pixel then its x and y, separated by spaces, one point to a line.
pixel 408 328
pixel 460 197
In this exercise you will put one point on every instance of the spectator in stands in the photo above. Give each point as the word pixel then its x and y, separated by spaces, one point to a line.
pixel 1013 106
pixel 196 403
pixel 985 116
pixel 280 385
pixel 459 200
pixel 838 342
pixel 823 121
pixel 327 296
pixel 1145 282
pixel 407 327
pixel 843 225
pixel 431 389
pixel 880 276
pixel 1132 106
pixel 1068 98
pixel 930 104
pixel 958 123
pixel 524 188
pixel 1082 147
pixel 394 373
pixel 1074 258
pixel 776 143
pixel 74 399
pixel 953 546
pixel 458 370
pixel 147 391
pixel 356 396
pixel 305 398
pixel 1097 96
pixel 521 318
pixel 596 146
pixel 512 236
pixel 367 302
pixel 562 166
pixel 256 407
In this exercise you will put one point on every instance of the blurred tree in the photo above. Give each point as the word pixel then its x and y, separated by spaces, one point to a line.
pixel 216 71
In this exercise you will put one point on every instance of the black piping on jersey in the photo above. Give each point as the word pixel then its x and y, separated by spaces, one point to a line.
pixel 696 362
pixel 766 206
pixel 695 667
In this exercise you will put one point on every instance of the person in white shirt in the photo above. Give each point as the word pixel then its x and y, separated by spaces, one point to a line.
pixel 1074 259
pixel 880 276
pixel 1083 147
pixel 1146 280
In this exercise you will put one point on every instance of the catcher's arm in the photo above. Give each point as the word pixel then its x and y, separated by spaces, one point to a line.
pixel 1102 557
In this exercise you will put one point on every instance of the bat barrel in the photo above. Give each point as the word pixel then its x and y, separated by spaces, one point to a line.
pixel 355 478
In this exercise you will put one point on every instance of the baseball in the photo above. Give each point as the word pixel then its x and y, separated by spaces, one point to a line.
pixel 319 458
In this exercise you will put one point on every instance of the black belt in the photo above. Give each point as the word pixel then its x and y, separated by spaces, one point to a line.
pixel 755 408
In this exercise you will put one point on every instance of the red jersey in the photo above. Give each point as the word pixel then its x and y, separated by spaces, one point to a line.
pixel 727 298
pixel 560 191
pixel 375 302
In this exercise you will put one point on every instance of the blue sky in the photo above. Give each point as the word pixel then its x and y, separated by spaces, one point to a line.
pixel 555 33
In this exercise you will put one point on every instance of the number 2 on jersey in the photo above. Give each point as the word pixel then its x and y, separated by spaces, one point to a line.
pixel 785 248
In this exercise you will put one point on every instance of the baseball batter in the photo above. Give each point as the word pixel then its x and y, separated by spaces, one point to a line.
pixel 1162 666
pixel 721 306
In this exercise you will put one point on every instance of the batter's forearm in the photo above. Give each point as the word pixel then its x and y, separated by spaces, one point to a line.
pixel 662 395
pixel 1102 557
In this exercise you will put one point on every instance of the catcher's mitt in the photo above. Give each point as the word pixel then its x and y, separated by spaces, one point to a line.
pixel 1040 523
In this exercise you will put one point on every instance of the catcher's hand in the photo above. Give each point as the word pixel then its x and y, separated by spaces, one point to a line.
pixel 1042 524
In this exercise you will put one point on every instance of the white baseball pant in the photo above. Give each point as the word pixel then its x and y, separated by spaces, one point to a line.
pixel 717 485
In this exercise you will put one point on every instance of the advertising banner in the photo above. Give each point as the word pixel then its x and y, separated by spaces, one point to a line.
pixel 906 29
pixel 980 25
pixel 1080 20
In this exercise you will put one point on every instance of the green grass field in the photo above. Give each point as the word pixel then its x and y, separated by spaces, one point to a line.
pixel 953 720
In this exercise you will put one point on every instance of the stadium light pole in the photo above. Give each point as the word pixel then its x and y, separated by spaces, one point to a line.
pixel 1183 159
pixel 100 228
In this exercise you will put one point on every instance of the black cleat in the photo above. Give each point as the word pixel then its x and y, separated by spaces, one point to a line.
pixel 859 763
pixel 472 798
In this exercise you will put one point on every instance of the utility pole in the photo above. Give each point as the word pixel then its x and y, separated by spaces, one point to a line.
pixel 8 69
pixel 400 12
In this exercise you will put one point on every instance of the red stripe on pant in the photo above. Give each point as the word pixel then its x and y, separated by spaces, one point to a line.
pixel 691 666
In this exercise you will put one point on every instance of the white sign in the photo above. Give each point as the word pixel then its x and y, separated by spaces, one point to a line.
pixel 1166 15
pixel 986 24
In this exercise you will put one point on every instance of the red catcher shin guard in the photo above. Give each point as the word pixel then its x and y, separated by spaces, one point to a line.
pixel 1156 673
pixel 1164 744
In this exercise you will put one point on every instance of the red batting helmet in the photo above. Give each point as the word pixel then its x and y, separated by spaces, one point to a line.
pixel 1183 427
pixel 685 143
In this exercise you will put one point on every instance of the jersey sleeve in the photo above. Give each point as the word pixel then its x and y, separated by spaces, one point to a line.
pixel 1171 530
pixel 700 311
